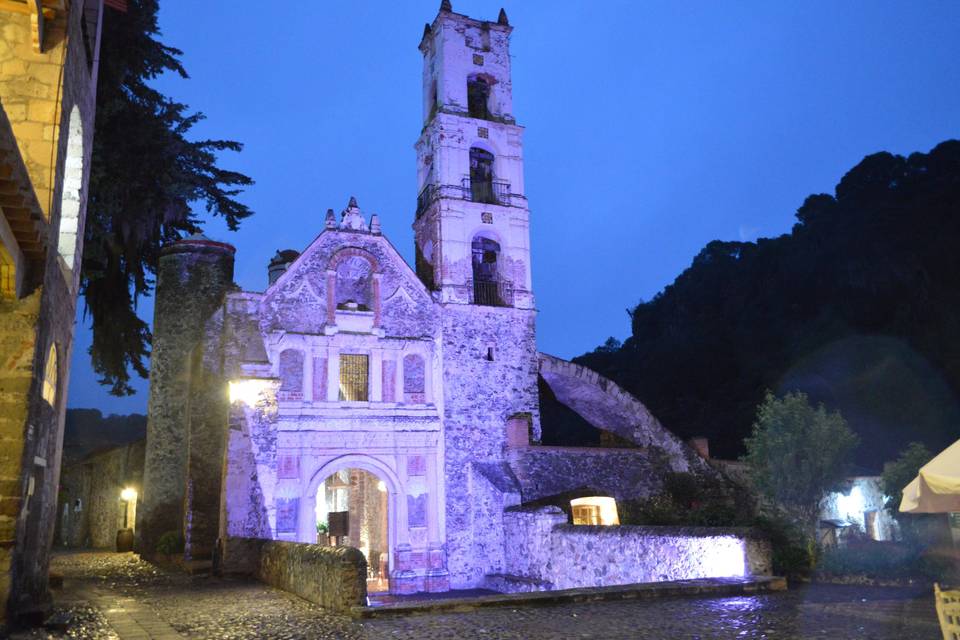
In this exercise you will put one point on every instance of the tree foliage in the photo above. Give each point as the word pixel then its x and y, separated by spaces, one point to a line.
pixel 146 173
pixel 859 307
pixel 899 473
pixel 797 454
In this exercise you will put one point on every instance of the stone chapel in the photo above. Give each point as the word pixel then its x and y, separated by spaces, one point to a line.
pixel 358 400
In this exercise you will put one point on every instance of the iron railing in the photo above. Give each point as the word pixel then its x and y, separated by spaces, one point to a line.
pixel 427 195
pixel 496 292
pixel 486 191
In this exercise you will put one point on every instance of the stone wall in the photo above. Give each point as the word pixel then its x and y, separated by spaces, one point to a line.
pixel 90 511
pixel 332 577
pixel 621 473
pixel 862 496
pixel 193 276
pixel 545 551
pixel 480 396
pixel 43 91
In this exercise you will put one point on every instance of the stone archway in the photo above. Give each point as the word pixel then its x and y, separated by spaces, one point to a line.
pixel 357 493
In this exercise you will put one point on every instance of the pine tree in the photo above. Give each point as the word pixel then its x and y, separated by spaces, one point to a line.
pixel 145 176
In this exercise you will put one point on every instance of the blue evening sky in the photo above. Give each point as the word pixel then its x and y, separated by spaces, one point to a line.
pixel 651 128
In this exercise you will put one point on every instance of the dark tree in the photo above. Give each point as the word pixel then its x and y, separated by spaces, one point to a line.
pixel 858 307
pixel 145 175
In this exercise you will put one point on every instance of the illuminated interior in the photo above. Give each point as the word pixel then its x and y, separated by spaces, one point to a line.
pixel 352 508
pixel 595 510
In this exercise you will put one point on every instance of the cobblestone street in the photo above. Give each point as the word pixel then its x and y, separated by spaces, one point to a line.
pixel 112 596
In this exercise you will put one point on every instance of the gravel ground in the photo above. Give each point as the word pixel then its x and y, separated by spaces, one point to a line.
pixel 203 607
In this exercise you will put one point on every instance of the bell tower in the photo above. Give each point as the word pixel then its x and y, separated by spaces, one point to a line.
pixel 472 232
pixel 472 223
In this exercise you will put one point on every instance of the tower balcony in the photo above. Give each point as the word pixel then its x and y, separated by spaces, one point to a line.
pixel 492 292
pixel 483 191
pixel 486 191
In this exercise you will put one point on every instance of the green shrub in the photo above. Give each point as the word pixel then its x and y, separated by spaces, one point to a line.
pixel 794 554
pixel 170 543
pixel 685 489
pixel 715 514
pixel 871 559
pixel 659 510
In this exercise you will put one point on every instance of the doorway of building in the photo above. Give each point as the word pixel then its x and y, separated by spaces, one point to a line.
pixel 352 509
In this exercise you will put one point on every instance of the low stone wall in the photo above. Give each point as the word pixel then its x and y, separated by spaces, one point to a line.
pixel 545 549
pixel 332 577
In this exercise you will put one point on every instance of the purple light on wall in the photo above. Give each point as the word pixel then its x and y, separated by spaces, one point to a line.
pixel 722 557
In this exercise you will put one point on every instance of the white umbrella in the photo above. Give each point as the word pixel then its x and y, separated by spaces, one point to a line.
pixel 937 487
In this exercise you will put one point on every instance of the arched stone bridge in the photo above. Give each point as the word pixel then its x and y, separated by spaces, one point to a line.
pixel 607 406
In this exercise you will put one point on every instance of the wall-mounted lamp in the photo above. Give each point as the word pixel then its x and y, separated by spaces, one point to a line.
pixel 248 390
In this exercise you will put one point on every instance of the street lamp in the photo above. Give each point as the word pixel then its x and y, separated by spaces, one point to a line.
pixel 128 495
pixel 125 536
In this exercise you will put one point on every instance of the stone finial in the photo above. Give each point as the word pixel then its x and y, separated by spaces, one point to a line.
pixel 331 220
pixel 502 18
pixel 446 6
pixel 375 224
pixel 426 29
pixel 351 218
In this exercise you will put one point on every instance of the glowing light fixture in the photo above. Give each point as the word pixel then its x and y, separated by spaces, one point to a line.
pixel 128 494
pixel 851 506
pixel 600 510
pixel 381 486
pixel 248 390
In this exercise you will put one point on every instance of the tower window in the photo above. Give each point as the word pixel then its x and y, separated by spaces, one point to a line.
pixel 489 288
pixel 478 97
pixel 481 176
pixel 354 386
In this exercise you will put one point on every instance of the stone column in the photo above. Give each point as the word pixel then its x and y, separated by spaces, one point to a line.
pixel 331 298
pixel 333 375
pixel 307 382
pixel 375 375
pixel 192 277
pixel 376 299
pixel 209 416
pixel 399 377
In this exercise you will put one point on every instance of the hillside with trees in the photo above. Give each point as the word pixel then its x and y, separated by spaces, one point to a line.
pixel 858 307
pixel 87 431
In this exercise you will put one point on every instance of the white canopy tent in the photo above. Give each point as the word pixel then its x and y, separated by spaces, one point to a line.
pixel 936 489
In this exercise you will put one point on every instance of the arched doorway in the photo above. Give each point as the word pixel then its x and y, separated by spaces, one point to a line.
pixel 352 507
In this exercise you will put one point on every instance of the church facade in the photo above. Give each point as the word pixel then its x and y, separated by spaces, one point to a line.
pixel 358 400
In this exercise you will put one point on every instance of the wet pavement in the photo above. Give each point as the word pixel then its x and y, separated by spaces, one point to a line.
pixel 116 596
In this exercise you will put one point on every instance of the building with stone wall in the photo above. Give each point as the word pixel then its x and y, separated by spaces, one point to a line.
pixel 98 497
pixel 357 400
pixel 48 77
